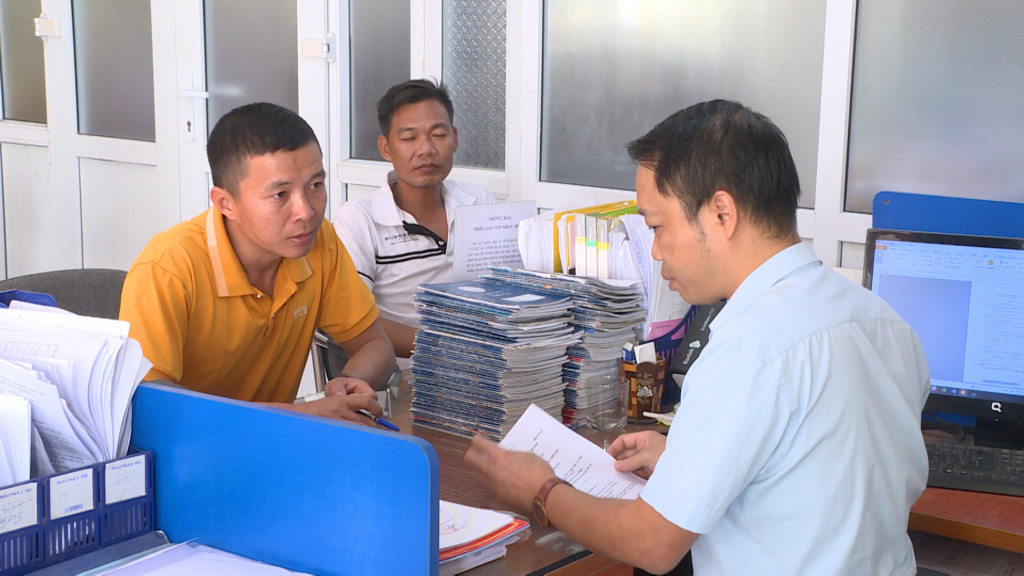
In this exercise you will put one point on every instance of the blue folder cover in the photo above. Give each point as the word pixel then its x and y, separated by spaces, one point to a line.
pixel 923 213
pixel 298 491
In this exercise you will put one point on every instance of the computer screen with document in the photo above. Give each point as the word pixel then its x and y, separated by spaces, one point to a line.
pixel 964 297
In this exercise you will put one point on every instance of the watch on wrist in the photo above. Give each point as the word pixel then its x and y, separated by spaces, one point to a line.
pixel 539 511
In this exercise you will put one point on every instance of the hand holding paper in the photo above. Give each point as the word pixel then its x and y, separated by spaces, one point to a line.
pixel 539 447
pixel 513 477
pixel 638 452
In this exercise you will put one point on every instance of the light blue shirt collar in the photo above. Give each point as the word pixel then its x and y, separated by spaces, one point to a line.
pixel 777 268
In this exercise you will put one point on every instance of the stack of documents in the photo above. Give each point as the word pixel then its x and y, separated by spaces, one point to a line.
pixel 578 241
pixel 664 306
pixel 15 439
pixel 470 536
pixel 606 314
pixel 78 375
pixel 609 242
pixel 484 352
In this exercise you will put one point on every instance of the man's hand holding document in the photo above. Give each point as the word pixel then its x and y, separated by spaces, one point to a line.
pixel 569 456
pixel 78 375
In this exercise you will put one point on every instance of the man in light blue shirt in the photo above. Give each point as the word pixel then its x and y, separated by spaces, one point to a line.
pixel 797 447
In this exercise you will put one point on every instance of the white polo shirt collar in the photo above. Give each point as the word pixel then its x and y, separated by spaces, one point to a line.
pixel 386 212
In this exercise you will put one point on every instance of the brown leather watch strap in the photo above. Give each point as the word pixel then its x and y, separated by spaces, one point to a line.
pixel 542 494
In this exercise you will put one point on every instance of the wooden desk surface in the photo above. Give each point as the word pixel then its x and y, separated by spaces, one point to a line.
pixel 544 547
pixel 988 519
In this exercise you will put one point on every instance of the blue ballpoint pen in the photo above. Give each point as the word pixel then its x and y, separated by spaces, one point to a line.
pixel 378 420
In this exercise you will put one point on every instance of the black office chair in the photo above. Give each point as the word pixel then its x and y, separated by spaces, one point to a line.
pixel 85 291
pixel 329 360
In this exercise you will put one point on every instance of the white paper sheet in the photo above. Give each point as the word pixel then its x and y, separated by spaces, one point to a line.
pixel 462 524
pixel 19 507
pixel 95 369
pixel 574 459
pixel 15 439
pixel 193 561
pixel 487 234
pixel 62 444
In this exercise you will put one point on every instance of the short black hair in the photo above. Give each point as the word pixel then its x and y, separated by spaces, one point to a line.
pixel 723 145
pixel 411 92
pixel 249 131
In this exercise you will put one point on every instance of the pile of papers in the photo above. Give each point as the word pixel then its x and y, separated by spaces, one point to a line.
pixel 15 439
pixel 77 375
pixel 610 242
pixel 470 536
pixel 484 352
pixel 606 314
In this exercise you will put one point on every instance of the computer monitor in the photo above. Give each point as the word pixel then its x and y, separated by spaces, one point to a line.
pixel 964 298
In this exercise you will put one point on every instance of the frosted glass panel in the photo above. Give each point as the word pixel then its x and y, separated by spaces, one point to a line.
pixel 114 68
pixel 937 92
pixel 615 68
pixel 118 221
pixel 252 55
pixel 380 59
pixel 474 70
pixel 21 62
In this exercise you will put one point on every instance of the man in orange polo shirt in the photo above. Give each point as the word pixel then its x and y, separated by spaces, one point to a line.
pixel 226 303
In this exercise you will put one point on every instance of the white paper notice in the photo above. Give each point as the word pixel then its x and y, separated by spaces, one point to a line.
pixel 125 479
pixel 574 459
pixel 488 234
pixel 71 493
pixel 19 508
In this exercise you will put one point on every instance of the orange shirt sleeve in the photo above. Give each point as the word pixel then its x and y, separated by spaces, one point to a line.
pixel 155 303
pixel 348 305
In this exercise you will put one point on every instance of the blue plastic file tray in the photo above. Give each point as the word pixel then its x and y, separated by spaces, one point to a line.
pixel 52 541
pixel 301 492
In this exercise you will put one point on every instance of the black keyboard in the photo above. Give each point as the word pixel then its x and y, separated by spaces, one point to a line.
pixel 977 468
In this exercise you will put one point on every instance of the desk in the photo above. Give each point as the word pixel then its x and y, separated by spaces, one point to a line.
pixel 988 519
pixel 545 546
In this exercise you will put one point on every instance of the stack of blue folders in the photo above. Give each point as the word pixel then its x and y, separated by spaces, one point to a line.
pixel 606 314
pixel 485 352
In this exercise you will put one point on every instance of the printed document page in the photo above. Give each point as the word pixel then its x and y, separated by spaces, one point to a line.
pixel 574 459
pixel 15 439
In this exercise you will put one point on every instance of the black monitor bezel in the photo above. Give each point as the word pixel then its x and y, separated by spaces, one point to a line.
pixel 980 408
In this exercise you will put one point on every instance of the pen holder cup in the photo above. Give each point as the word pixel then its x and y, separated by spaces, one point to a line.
pixel 646 382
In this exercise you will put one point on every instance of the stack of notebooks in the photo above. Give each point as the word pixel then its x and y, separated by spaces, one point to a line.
pixel 485 351
pixel 470 536
pixel 606 314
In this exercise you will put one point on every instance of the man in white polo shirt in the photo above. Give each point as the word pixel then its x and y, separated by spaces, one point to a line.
pixel 398 238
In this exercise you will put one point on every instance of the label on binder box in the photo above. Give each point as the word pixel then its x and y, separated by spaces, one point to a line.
pixel 18 508
pixel 125 479
pixel 71 493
